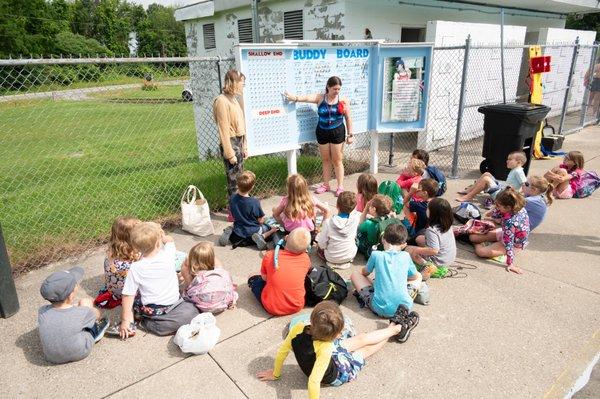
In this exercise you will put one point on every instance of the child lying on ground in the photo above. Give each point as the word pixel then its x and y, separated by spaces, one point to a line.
pixel 325 358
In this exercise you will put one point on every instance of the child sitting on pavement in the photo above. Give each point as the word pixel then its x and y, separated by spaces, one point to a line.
pixel 417 200
pixel 120 256
pixel 565 177
pixel 298 208
pixel 413 173
pixel 68 330
pixel 248 216
pixel 393 269
pixel 437 245
pixel 207 284
pixel 327 358
pixel 510 212
pixel 366 188
pixel 159 305
pixel 488 183
pixel 337 238
pixel 280 285
pixel 373 220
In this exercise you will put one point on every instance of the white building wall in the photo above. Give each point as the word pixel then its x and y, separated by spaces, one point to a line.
pixel 385 18
pixel 555 81
pixel 484 84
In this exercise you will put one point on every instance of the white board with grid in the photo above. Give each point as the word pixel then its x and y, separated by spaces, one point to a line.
pixel 274 124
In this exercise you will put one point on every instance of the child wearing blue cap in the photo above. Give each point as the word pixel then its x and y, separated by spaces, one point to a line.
pixel 68 330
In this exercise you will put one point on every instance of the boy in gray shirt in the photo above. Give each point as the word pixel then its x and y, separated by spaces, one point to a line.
pixel 68 330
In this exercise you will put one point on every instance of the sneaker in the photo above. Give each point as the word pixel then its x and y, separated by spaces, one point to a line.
pixel 411 321
pixel 322 188
pixel 340 266
pixel 101 327
pixel 429 269
pixel 259 240
pixel 339 191
pixel 224 238
pixel 488 203
pixel 113 331
pixel 422 297
pixel 499 259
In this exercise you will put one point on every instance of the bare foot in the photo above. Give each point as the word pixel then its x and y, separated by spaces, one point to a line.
pixel 463 198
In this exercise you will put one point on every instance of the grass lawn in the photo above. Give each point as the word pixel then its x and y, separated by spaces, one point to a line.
pixel 68 168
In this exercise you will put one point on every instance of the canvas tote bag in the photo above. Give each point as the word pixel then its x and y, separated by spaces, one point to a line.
pixel 195 213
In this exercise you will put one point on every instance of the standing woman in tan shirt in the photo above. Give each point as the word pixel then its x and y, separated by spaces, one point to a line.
pixel 229 116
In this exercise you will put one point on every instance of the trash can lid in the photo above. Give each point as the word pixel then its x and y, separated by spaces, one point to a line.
pixel 521 109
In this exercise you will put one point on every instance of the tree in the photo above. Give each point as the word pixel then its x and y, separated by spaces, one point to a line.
pixel 160 33
pixel 585 22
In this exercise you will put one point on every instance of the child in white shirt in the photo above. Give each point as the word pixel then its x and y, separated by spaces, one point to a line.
pixel 159 304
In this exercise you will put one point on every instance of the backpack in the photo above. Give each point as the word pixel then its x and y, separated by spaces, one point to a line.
pixel 323 283
pixel 439 177
pixel 364 245
pixel 392 190
pixel 212 291
pixel 466 211
pixel 588 183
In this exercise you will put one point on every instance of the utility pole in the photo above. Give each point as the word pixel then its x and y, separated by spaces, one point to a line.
pixel 255 31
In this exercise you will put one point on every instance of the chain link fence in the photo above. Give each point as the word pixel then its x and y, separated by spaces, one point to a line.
pixel 83 141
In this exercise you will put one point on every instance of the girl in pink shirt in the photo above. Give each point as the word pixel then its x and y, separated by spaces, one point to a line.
pixel 366 188
pixel 413 173
pixel 297 208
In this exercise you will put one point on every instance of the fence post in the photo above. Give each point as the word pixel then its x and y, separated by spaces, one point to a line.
pixel 568 90
pixel 219 73
pixel 461 108
pixel 586 95
pixel 391 149
pixel 9 302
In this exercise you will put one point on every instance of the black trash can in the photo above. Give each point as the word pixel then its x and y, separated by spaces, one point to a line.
pixel 507 128
pixel 9 302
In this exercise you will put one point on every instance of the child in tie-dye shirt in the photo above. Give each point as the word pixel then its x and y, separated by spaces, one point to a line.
pixel 511 214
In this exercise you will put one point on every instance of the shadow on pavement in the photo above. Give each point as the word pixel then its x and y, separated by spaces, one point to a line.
pixel 32 348
pixel 565 243
pixel 292 377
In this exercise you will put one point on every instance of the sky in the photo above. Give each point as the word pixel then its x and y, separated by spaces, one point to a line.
pixel 146 3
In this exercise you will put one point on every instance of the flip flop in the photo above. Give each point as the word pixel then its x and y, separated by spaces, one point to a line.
pixel 411 322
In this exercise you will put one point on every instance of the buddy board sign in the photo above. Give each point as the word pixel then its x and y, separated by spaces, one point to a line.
pixel 385 94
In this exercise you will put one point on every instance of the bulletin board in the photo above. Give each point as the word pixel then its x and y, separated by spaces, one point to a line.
pixel 274 124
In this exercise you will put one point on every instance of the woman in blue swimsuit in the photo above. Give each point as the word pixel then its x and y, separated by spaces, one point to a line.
pixel 331 130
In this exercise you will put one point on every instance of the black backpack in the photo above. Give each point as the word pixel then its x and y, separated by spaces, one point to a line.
pixel 323 283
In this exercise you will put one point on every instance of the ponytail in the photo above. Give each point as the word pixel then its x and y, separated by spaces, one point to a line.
pixel 549 191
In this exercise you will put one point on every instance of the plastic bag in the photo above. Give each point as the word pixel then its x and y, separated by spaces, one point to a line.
pixel 200 336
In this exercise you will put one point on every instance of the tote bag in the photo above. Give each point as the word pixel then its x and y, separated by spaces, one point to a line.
pixel 195 213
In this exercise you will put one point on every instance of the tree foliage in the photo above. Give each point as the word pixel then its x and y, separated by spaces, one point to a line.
pixel 585 22
pixel 73 27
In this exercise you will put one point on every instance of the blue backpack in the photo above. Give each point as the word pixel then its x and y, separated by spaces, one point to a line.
pixel 439 177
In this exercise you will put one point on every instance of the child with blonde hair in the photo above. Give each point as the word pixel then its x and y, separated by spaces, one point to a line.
pixel 490 185
pixel 207 284
pixel 366 188
pixel 159 306
pixel 119 257
pixel 298 208
pixel 413 173
pixel 510 212
pixel 538 197
pixel 566 176
pixel 327 358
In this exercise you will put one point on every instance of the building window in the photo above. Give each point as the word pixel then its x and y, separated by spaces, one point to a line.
pixel 208 32
pixel 293 25
pixel 245 30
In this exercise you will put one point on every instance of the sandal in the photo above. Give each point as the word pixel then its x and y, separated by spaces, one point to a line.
pixel 400 316
pixel 411 322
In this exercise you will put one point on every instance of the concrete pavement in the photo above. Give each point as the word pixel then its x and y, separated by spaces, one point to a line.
pixel 490 334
